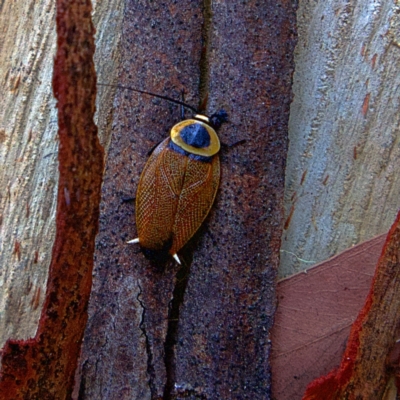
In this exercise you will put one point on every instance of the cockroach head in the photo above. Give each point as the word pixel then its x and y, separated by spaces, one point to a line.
pixel 218 118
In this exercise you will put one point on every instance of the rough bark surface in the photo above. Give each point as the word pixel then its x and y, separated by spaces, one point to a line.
pixel 201 333
pixel 342 185
pixel 127 331
pixel 222 345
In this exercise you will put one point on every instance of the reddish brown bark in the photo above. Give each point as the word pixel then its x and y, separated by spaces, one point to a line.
pixel 43 367
pixel 365 369
pixel 205 332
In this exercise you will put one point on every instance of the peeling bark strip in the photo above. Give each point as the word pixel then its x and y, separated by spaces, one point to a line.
pixel 43 367
pixel 204 333
pixel 365 371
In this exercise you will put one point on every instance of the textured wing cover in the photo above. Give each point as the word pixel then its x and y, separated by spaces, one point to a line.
pixel 157 197
pixel 174 196
pixel 196 198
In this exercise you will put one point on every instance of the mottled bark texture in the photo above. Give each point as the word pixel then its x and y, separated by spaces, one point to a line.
pixel 203 331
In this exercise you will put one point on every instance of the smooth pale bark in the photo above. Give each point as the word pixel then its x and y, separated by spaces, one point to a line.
pixel 342 181
pixel 28 162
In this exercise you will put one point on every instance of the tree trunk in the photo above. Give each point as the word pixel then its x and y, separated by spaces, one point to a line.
pixel 202 330
pixel 341 185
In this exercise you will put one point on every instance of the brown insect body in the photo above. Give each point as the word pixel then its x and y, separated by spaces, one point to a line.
pixel 177 187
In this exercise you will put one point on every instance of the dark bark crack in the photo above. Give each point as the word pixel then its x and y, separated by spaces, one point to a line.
pixel 182 278
pixel 142 327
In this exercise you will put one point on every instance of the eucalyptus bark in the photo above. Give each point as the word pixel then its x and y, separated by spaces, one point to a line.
pixel 341 185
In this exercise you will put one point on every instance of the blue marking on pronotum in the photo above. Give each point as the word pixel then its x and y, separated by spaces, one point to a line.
pixel 179 150
pixel 195 135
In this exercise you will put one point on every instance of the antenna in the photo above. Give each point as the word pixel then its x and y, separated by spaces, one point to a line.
pixel 181 103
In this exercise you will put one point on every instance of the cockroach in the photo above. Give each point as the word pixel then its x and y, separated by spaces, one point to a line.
pixel 178 184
